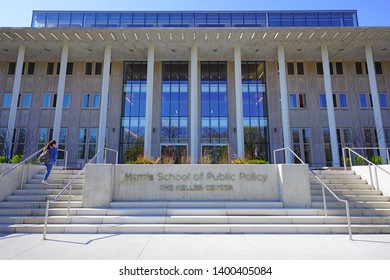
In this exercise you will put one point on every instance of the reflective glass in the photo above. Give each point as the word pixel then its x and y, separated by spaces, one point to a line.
pixel 89 20
pixel 139 20
pixel 383 100
pixel 52 20
pixel 7 100
pixel 46 100
pixel 64 20
pixel 114 20
pixel 174 20
pixel 293 101
pixel 163 20
pixel 200 20
pixel 39 20
pixel 95 100
pixel 151 20
pixel 101 19
pixel 66 102
pixel 322 100
pixel 26 100
pixel 77 20
pixel 188 20
pixel 363 100
pixel 85 100
pixel 126 20
pixel 343 100
pixel 237 20
pixel 274 20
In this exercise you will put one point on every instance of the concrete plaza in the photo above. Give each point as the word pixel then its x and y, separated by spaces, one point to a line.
pixel 193 247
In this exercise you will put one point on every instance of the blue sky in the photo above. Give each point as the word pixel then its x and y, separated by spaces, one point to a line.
pixel 17 13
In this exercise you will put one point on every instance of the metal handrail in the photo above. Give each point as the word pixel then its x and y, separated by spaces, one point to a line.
pixel 372 148
pixel 324 186
pixel 369 165
pixel 26 160
pixel 69 185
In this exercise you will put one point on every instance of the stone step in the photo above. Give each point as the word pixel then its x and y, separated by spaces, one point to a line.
pixel 50 186
pixel 55 181
pixel 29 204
pixel 37 197
pixel 355 198
pixel 362 205
pixel 191 228
pixel 343 186
pixel 194 220
pixel 60 171
pixel 196 204
pixel 335 176
pixel 318 191
pixel 333 172
pixel 46 191
pixel 57 176
pixel 341 181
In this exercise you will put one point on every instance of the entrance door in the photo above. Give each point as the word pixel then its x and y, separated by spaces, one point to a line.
pixel 215 154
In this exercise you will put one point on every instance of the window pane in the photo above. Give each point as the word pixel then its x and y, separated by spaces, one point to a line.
pixel 96 101
pixel 293 101
pixel 290 68
pixel 320 69
pixel 339 68
pixel 363 100
pixel 7 100
pixel 358 68
pixel 88 68
pixel 98 68
pixel 378 68
pixel 26 100
pixel 31 68
pixel 50 68
pixel 66 102
pixel 46 100
pixel 69 68
pixel 85 101
pixel 323 100
pixel 300 68
pixel 343 100
pixel 11 68
pixel 383 100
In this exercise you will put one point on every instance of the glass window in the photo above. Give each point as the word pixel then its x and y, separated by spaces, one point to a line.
pixel 77 20
pixel 114 20
pixel 163 20
pixel 64 20
pixel 52 20
pixel 92 142
pixel 387 136
pixel 126 20
pixel 302 100
pixel 339 68
pixel 320 69
pixel 95 100
pixel 11 68
pixel 89 20
pixel 26 100
pixel 327 146
pixel 31 68
pixel 331 68
pixel 322 100
pixel 324 19
pixel 151 20
pixel 335 105
pixel 188 20
pixel 343 100
pixel 383 100
pixel 350 19
pixel 363 100
pixel 290 68
pixel 293 101
pixel 138 19
pixel 58 67
pixel 378 68
pixel 299 19
pixel 337 19
pixel 7 100
pixel 287 19
pixel 69 68
pixel 358 68
pixel 174 20
pixel 88 68
pixel 46 100
pixel 98 68
pixel 101 19
pixel 300 69
pixel 39 20
pixel 66 102
pixel 274 20
pixel 82 143
pixel 312 19
pixel 50 68
pixel 85 100
pixel 237 20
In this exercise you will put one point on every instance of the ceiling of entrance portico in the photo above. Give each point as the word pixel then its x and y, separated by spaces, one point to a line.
pixel 213 44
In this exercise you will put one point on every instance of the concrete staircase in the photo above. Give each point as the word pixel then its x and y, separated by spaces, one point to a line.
pixel 24 211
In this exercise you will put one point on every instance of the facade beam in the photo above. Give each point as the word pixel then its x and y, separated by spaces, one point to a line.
pixel 103 102
pixel 239 106
pixel 14 98
pixel 284 101
pixel 330 107
pixel 375 103
pixel 60 94
pixel 149 104
pixel 194 117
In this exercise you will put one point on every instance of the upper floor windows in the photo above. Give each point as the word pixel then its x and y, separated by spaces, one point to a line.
pixel 295 68
pixel 94 68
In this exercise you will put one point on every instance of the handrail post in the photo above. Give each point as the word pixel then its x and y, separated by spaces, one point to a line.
pixel 345 165
pixel 46 218
pixel 69 198
pixel 324 200
pixel 105 156
pixel 388 158
pixel 117 156
pixel 22 179
pixel 348 220
pixel 350 158
pixel 66 160
pixel 372 181
pixel 376 178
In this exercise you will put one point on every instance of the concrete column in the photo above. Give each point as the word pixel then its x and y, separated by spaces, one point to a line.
pixel 103 102
pixel 14 98
pixel 284 98
pixel 194 116
pixel 60 94
pixel 149 104
pixel 375 103
pixel 330 107
pixel 239 109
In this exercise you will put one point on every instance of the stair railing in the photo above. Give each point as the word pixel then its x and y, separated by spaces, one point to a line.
pixel 69 186
pixel 25 161
pixel 324 186
pixel 369 163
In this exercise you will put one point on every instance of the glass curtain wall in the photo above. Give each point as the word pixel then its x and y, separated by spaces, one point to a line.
pixel 133 111
pixel 174 112
pixel 214 112
pixel 255 114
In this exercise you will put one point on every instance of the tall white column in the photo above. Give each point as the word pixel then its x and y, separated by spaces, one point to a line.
pixel 149 104
pixel 330 107
pixel 284 99
pixel 239 109
pixel 194 116
pixel 60 94
pixel 103 102
pixel 15 97
pixel 375 103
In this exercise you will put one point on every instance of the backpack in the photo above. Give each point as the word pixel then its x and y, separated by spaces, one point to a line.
pixel 44 157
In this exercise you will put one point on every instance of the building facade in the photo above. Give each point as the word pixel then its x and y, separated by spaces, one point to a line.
pixel 195 86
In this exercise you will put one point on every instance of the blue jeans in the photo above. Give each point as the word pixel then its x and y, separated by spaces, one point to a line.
pixel 49 166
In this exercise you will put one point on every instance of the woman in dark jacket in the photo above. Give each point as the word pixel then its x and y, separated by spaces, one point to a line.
pixel 52 147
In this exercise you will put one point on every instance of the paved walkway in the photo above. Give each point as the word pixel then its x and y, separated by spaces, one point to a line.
pixel 193 247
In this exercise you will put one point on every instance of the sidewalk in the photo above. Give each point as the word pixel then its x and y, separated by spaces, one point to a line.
pixel 193 247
